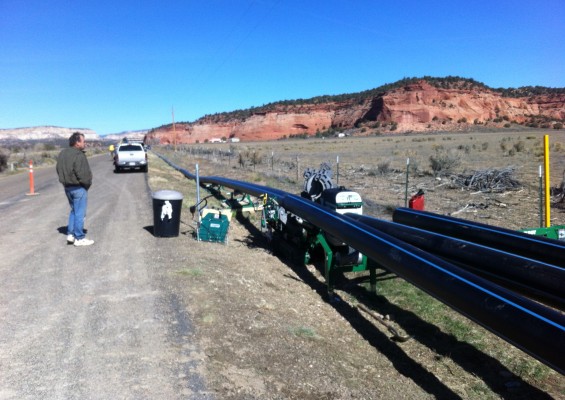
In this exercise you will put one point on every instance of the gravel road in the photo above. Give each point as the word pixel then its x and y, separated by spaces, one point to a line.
pixel 93 322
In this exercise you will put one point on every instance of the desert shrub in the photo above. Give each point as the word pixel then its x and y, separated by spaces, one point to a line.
pixel 519 147
pixel 558 125
pixel 256 158
pixel 484 146
pixel 443 163
pixel 3 161
pixel 414 166
pixel 558 147
pixel 383 167
pixel 242 159
pixel 466 148
pixel 539 152
pixel 249 157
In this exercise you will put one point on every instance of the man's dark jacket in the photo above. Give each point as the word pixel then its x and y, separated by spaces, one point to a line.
pixel 73 168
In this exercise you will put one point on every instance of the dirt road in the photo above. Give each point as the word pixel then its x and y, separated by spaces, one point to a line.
pixel 94 322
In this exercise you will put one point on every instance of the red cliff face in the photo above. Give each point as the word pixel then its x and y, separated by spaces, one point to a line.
pixel 415 107
pixel 422 104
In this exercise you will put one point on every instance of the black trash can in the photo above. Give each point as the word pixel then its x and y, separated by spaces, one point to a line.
pixel 167 206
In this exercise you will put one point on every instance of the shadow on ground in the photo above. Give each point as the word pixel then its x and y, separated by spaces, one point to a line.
pixel 472 360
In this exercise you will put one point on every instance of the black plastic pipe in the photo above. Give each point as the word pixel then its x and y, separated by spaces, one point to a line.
pixel 526 324
pixel 532 327
pixel 531 246
pixel 545 280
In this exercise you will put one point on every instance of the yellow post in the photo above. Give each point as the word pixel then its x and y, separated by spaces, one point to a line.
pixel 547 187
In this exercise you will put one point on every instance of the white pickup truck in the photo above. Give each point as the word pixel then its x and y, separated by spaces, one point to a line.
pixel 130 156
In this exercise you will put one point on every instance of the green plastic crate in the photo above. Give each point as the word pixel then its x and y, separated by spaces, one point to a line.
pixel 214 228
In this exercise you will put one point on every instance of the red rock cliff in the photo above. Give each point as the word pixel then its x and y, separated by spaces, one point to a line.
pixel 414 107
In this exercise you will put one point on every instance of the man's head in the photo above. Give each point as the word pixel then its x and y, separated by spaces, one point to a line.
pixel 77 140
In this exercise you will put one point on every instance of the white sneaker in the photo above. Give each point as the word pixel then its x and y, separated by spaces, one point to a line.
pixel 84 242
pixel 70 239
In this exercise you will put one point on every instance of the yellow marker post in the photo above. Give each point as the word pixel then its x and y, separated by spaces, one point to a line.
pixel 547 187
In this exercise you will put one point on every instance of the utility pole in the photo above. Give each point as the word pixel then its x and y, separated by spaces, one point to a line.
pixel 174 130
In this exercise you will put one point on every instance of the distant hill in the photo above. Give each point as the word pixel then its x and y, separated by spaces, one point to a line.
pixel 410 105
pixel 56 133
pixel 136 135
pixel 43 133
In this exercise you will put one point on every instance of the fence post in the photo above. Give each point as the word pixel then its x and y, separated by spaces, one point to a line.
pixel 197 203
pixel 337 167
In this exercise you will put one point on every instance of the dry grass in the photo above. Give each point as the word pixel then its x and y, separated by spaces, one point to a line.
pixel 361 161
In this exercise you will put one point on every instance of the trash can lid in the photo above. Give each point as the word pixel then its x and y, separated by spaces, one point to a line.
pixel 167 195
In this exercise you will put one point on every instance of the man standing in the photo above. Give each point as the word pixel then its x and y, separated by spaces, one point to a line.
pixel 75 175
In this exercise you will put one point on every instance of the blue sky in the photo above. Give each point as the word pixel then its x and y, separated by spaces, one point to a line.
pixel 120 65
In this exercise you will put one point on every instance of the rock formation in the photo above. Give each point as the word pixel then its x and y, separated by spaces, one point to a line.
pixel 418 107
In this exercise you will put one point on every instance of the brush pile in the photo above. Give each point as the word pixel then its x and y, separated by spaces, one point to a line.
pixel 489 180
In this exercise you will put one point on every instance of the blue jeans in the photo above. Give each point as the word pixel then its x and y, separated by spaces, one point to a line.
pixel 77 197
